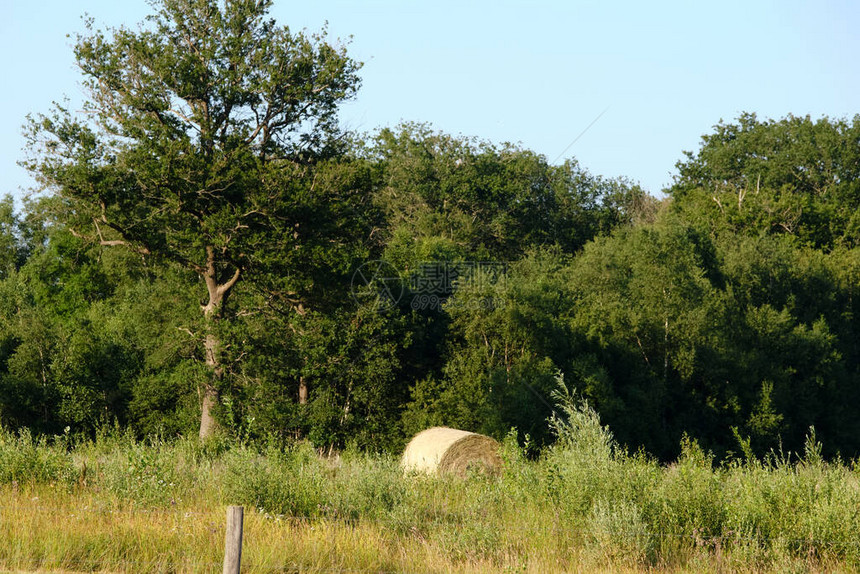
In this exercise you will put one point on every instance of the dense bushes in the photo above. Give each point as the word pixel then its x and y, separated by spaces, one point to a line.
pixel 693 316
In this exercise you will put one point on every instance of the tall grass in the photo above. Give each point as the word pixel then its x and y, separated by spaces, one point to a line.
pixel 119 505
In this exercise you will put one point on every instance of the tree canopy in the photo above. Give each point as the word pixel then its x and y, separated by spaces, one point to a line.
pixel 795 176
pixel 214 252
pixel 198 144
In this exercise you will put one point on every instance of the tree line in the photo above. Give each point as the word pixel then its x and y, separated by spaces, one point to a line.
pixel 212 254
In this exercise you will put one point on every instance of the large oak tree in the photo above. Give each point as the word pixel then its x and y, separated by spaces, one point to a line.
pixel 198 144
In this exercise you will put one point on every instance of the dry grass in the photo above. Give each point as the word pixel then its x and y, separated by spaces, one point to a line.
pixel 48 530
pixel 121 506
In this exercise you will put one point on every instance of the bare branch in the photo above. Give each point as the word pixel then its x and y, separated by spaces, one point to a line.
pixel 187 330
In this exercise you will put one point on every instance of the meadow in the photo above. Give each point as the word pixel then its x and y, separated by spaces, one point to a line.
pixel 116 504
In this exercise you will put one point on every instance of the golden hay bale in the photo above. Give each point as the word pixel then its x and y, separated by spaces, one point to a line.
pixel 446 450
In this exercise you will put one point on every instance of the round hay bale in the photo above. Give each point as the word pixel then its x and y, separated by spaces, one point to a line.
pixel 446 450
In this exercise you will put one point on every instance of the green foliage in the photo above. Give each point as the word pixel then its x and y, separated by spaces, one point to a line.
pixel 82 330
pixel 210 150
pixel 579 465
pixel 349 362
pixel 793 176
pixel 720 318
pixel 209 155
pixel 699 335
pixel 13 245
pixel 618 534
pixel 141 474
pixel 28 460
pixel 447 198
pixel 296 482
pixel 282 483
pixel 505 336
pixel 207 141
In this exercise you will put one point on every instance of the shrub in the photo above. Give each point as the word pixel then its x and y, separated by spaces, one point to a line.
pixel 24 459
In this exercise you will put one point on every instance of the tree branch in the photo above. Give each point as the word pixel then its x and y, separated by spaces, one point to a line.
pixel 224 287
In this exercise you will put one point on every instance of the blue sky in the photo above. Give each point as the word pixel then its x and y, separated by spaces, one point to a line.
pixel 536 73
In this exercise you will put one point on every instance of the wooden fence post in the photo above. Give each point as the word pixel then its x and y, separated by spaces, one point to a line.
pixel 233 540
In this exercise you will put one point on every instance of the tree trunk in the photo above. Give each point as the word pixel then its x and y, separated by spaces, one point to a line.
pixel 303 391
pixel 212 344
pixel 303 383
pixel 208 424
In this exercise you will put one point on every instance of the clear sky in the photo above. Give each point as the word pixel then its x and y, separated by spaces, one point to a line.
pixel 537 73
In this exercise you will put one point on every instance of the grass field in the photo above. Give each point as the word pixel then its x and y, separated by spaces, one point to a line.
pixel 117 505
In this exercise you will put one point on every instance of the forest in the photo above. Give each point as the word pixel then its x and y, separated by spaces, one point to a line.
pixel 210 254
